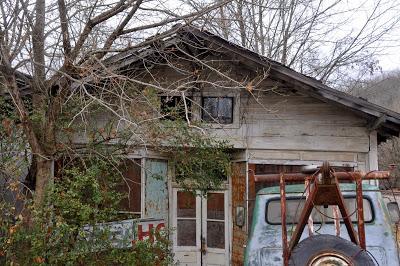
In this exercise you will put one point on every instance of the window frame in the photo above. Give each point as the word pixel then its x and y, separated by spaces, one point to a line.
pixel 216 120
pixel 207 92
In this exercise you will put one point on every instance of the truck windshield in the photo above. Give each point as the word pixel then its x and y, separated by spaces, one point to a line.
pixel 294 206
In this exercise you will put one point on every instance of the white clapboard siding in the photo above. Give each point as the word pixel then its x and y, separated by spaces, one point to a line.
pixel 259 155
pixel 296 122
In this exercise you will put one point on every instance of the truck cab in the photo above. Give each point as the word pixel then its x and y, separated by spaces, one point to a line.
pixel 264 246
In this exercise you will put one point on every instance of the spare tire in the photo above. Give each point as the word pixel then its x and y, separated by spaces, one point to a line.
pixel 322 250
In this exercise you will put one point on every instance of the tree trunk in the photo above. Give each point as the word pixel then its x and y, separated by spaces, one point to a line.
pixel 44 165
pixel 44 177
pixel 38 39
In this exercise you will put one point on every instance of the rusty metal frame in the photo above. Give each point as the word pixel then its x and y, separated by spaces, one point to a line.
pixel 325 191
pixel 360 213
pixel 285 247
pixel 341 176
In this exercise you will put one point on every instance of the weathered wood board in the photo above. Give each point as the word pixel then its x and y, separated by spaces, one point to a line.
pixel 295 122
pixel 156 189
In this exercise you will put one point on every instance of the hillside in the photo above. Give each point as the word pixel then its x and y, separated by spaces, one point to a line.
pixel 383 90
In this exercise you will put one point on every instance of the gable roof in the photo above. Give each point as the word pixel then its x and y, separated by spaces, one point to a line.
pixel 385 121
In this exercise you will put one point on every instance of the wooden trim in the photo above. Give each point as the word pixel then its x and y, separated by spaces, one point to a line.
pixel 251 195
pixel 143 187
pixel 301 162
pixel 373 154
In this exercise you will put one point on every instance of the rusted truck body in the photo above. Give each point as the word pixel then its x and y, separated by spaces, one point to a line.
pixel 265 242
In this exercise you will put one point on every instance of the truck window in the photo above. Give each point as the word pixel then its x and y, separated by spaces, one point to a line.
pixel 294 206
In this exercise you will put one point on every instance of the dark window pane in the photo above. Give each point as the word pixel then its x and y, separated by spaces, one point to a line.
pixel 218 109
pixel 215 206
pixel 186 232
pixel 210 109
pixel 131 186
pixel 186 204
pixel 216 235
pixel 225 107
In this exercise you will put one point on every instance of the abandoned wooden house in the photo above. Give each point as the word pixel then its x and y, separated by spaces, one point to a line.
pixel 282 120
pixel 276 119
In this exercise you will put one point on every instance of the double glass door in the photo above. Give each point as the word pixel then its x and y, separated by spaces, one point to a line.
pixel 201 228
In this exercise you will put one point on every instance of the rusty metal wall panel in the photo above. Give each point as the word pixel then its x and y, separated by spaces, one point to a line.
pixel 239 237
pixel 156 189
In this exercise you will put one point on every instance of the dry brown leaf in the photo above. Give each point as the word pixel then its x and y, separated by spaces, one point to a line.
pixel 250 87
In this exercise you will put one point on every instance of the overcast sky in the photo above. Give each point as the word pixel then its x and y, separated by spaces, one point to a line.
pixel 357 11
pixel 391 60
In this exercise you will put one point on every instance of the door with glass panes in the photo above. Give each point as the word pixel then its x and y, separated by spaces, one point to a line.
pixel 201 228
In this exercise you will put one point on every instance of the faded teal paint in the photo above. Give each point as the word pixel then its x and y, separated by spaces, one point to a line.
pixel 300 189
pixel 264 246
pixel 156 189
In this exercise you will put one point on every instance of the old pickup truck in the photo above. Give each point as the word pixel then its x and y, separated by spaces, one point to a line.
pixel 327 240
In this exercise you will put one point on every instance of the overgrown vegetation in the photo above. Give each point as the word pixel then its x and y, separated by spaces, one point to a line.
pixel 57 233
pixel 84 192
pixel 383 90
pixel 202 163
pixel 72 101
pixel 389 158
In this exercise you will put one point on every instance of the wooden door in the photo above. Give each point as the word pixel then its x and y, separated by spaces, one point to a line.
pixel 201 228
pixel 215 241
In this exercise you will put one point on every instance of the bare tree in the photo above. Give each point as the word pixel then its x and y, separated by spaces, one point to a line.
pixel 329 40
pixel 389 158
pixel 56 49
pixel 384 90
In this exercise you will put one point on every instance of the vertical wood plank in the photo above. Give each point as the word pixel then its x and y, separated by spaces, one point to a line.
pixel 156 189
pixel 373 154
pixel 251 195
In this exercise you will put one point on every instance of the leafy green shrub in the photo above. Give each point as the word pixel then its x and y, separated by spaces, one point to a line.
pixel 56 235
pixel 201 162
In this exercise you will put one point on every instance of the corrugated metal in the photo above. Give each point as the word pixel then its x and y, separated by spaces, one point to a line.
pixel 156 189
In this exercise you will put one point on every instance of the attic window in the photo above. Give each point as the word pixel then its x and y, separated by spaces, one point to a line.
pixel 218 110
pixel 173 107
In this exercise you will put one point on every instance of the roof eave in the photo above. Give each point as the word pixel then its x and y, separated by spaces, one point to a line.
pixel 310 86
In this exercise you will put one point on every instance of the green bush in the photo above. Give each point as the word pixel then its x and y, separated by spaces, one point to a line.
pixel 55 234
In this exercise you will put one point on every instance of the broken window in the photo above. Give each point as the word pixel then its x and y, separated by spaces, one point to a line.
pixel 217 110
pixel 131 187
pixel 173 107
